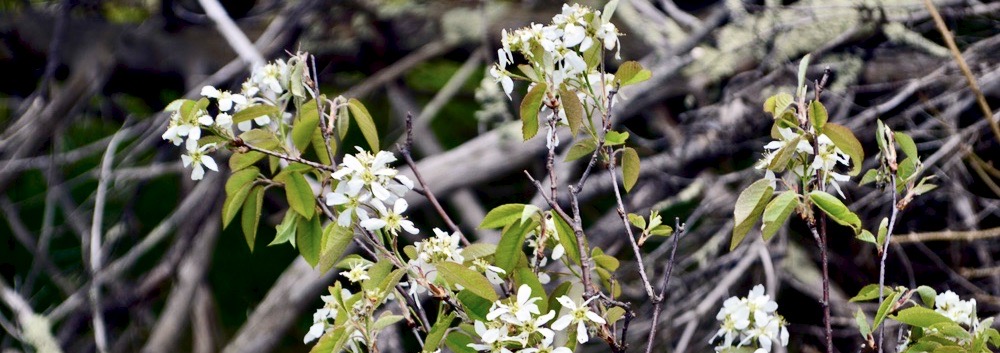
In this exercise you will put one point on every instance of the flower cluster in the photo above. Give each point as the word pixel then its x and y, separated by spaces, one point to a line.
pixel 960 311
pixel 829 157
pixel 367 182
pixel 323 317
pixel 558 55
pixel 439 248
pixel 516 323
pixel 267 85
pixel 752 320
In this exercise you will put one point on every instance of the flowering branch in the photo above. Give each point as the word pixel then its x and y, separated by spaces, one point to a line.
pixel 240 143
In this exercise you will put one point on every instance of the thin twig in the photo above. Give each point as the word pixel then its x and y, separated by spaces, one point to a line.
pixel 885 253
pixel 319 111
pixel 950 41
pixel 241 143
pixel 658 303
pixel 405 151
pixel 948 235
pixel 628 230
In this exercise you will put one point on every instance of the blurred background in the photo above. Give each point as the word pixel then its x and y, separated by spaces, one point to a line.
pixel 82 84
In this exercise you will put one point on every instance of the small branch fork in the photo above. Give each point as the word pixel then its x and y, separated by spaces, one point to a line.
pixel 404 149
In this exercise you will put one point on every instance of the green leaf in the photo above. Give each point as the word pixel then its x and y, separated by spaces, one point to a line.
pixel 502 216
pixel 862 320
pixel 239 179
pixel 234 203
pixel 331 341
pixel 906 144
pixel 583 147
pixel 927 295
pixel 662 230
pixel 778 104
pixel 567 237
pixel 883 310
pixel 803 67
pixel 342 121
pixel 836 209
pixel 305 126
pixel 473 281
pixel 777 212
pixel 919 316
pixel 478 250
pixel 630 168
pixel 525 275
pixel 607 262
pixel 378 273
pixel 631 72
pixel 780 160
pixel 870 177
pixel 436 334
pixel 386 320
pixel 285 231
pixel 510 247
pixel 883 230
pixel 336 239
pixel 255 111
pixel 529 110
pixel 251 214
pixel 365 123
pixel 844 139
pixel 240 161
pixel 459 342
pixel 175 105
pixel 529 72
pixel 319 145
pixel 614 314
pixel 869 292
pixel 309 237
pixel 574 110
pixel 818 115
pixel 295 81
pixel 637 221
pixel 749 206
pixel 475 306
pixel 614 138
pixel 866 236
pixel 300 195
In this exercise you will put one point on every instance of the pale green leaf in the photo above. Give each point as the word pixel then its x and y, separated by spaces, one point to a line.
pixel 285 231
pixel 614 138
pixel 300 195
pixel 818 115
pixel 471 280
pixel 906 144
pixel 510 247
pixel 234 203
pixel 609 10
pixel 583 147
pixel 255 111
pixel 251 214
pixel 630 168
pixel 502 216
pixel 365 123
pixel 567 237
pixel 777 212
pixel 437 332
pixel 305 126
pixel 309 238
pixel 844 139
pixel 458 342
pixel 631 72
pixel 781 157
pixel 862 320
pixel 386 320
pixel 919 316
pixel 478 250
pixel 836 209
pixel 529 110
pixel 525 275
pixel 637 221
pixel 574 110
pixel 749 206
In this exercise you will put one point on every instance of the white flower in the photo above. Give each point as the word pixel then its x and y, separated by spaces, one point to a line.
pixel 503 77
pixel 558 252
pixel 752 320
pixel 225 98
pixel 224 121
pixel 262 120
pixel 348 193
pixel 760 304
pixel 546 347
pixel 573 35
pixel 198 158
pixel 519 310
pixel 735 317
pixel 358 272
pixel 441 247
pixel 960 311
pixel 315 331
pixel 390 219
pixel 579 315
pixel 493 339
pixel 492 272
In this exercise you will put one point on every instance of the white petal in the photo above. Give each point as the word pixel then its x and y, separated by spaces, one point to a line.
pixel 566 302
pixel 408 226
pixel 558 252
pixel 186 160
pixel 581 333
pixel 209 91
pixel 562 322
pixel 245 125
pixel 333 199
pixel 225 104
pixel 574 35
pixel 380 192
pixel 344 219
pixel 595 318
pixel 209 162
pixel 373 223
pixel 198 172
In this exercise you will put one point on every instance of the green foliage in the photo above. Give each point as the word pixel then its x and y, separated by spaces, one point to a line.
pixel 749 206
pixel 471 280
pixel 836 209
pixel 631 72
pixel 630 168
pixel 365 123
pixel 530 106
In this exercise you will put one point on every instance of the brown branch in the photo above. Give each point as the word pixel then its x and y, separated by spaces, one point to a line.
pixel 947 235
pixel 241 143
pixel 404 149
